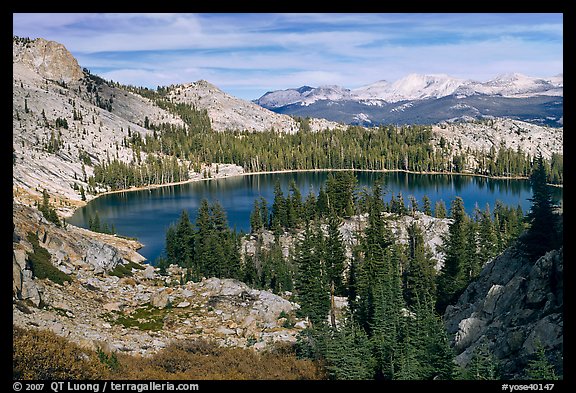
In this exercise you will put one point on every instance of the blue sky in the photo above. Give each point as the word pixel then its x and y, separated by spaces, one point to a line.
pixel 247 55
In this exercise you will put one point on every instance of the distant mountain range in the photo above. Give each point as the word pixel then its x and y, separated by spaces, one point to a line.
pixel 421 99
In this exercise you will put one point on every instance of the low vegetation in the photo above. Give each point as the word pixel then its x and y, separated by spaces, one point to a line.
pixel 143 318
pixel 44 355
pixel 41 265
pixel 125 270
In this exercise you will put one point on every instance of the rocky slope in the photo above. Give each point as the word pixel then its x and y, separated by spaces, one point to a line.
pixel 231 113
pixel 508 309
pixel 143 311
pixel 514 134
pixel 49 87
pixel 48 84
pixel 140 312
pixel 433 229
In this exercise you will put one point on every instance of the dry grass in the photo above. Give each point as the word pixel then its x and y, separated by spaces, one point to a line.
pixel 44 355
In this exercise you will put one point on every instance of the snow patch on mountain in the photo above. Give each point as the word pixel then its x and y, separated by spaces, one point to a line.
pixel 418 87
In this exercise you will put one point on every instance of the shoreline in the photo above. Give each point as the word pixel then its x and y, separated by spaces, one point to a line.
pixel 154 186
pixel 70 213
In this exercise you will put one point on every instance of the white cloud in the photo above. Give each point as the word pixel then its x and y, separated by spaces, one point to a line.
pixel 262 52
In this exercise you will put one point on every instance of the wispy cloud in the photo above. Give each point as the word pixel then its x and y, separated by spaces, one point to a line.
pixel 249 54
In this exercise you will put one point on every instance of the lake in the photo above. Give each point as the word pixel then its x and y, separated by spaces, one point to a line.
pixel 147 214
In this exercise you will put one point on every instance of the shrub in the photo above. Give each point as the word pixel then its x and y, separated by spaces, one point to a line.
pixel 125 270
pixel 44 355
pixel 41 264
pixel 40 354
pixel 200 359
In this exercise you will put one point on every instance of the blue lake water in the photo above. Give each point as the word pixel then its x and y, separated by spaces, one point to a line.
pixel 147 214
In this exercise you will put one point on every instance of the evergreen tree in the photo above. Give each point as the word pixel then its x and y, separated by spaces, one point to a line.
pixel 335 255
pixel 483 365
pixel 264 214
pixel 95 223
pixel 540 368
pixel 436 355
pixel 440 209
pixel 420 272
pixel 401 207
pixel 452 278
pixel 373 263
pixel 279 214
pixel 256 222
pixel 310 207
pixel 413 205
pixel 310 280
pixel 386 315
pixel 340 188
pixel 543 234
pixel 473 263
pixel 47 210
pixel 203 256
pixel 322 203
pixel 487 240
pixel 408 363
pixel 348 353
pixel 180 242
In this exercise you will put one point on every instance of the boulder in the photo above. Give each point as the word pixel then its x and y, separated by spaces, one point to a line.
pixel 160 298
pixel 513 304
pixel 19 257
pixel 16 279
pixel 112 306
pixel 30 290
pixel 469 330
pixel 149 272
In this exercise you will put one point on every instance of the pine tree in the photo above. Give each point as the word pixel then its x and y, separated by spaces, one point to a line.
pixel 204 226
pixel 385 315
pixel 452 278
pixel 335 255
pixel 264 214
pixel 401 207
pixel 180 242
pixel 348 353
pixel 413 205
pixel 47 210
pixel 487 239
pixel 256 223
pixel 440 209
pixel 96 223
pixel 373 263
pixel 340 192
pixel 436 355
pixel 279 214
pixel 420 272
pixel 408 364
pixel 310 280
pixel 310 207
pixel 543 234
pixel 294 206
pixel 322 203
pixel 540 368
pixel 426 205
pixel 483 365
pixel 473 263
